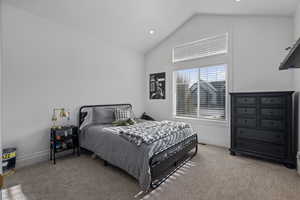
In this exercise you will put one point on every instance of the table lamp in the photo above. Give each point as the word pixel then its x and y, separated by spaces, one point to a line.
pixel 59 114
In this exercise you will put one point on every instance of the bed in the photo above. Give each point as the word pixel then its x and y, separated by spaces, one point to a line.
pixel 150 163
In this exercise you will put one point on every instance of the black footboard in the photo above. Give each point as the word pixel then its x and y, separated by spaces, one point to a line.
pixel 165 163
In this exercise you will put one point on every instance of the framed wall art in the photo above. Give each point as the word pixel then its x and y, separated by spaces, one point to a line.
pixel 157 86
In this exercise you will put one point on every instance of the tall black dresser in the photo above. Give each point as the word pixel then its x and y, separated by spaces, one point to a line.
pixel 262 126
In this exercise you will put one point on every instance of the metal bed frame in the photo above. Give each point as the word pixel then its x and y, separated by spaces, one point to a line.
pixel 164 163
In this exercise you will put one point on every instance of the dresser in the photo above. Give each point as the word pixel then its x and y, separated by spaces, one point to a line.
pixel 262 126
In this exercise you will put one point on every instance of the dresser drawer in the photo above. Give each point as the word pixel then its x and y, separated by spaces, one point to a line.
pixel 272 124
pixel 261 148
pixel 246 122
pixel 260 135
pixel 271 101
pixel 243 100
pixel 246 111
pixel 272 113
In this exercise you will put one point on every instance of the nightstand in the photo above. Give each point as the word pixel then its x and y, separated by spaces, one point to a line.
pixel 63 139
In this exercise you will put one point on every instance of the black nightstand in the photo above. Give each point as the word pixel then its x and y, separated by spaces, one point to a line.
pixel 63 139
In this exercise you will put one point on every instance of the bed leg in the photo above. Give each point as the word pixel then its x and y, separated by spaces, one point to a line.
pixel 105 163
pixel 195 151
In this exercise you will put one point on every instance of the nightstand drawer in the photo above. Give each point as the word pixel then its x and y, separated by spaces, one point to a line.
pixel 261 135
pixel 246 122
pixel 64 132
pixel 271 101
pixel 246 111
pixel 240 100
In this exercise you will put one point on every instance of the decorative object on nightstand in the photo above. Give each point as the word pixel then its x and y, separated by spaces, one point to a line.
pixel 59 114
pixel 63 138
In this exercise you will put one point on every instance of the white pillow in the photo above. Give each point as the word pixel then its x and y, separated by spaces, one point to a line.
pixel 122 114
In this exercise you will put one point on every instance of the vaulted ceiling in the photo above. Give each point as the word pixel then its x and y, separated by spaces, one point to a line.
pixel 127 22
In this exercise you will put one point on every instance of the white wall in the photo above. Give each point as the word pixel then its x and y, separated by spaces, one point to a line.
pixel 256 49
pixel 297 22
pixel 48 65
pixel 0 96
pixel 296 72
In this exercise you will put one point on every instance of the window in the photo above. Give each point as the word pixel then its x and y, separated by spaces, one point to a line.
pixel 201 92
pixel 205 47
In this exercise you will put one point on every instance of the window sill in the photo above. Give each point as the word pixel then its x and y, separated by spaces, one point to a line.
pixel 206 121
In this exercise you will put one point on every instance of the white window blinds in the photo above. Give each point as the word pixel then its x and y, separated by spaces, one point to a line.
pixel 200 92
pixel 186 92
pixel 202 48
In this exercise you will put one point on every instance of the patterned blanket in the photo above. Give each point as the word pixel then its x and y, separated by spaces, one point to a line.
pixel 149 132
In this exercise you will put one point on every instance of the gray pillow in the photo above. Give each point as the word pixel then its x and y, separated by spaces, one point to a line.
pixel 103 115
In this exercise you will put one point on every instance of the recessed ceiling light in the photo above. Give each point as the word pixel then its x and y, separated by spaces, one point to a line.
pixel 151 31
pixel 238 0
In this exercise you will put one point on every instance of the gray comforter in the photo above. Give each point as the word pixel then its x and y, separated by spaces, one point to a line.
pixel 117 150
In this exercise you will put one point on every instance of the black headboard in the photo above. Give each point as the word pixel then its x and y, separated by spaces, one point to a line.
pixel 83 114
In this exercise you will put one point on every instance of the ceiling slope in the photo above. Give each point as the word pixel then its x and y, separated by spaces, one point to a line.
pixel 127 23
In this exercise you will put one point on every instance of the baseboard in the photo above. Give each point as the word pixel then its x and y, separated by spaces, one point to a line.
pixel 202 141
pixel 33 158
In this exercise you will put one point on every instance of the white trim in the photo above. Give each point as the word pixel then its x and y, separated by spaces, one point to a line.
pixel 203 39
pixel 198 94
pixel 213 121
pixel 197 57
pixel 30 159
pixel 227 93
pixel 208 142
pixel 174 93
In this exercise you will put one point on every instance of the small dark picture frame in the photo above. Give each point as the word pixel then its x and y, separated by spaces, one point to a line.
pixel 157 85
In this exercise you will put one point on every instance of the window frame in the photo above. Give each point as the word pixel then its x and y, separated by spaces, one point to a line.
pixel 225 120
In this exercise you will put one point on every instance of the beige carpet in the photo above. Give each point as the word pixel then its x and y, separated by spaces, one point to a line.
pixel 212 175
pixel 13 193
